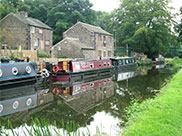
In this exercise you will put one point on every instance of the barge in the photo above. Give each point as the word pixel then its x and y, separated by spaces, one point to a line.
pixel 124 63
pixel 13 73
pixel 80 69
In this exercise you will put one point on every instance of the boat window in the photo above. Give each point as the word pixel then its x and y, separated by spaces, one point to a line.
pixel 92 85
pixel 120 62
pixel 78 88
pixel 100 64
pixel 91 65
pixel 105 64
pixel 108 63
pixel 105 82
pixel 126 61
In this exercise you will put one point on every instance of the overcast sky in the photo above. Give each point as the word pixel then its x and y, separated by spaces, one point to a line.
pixel 109 5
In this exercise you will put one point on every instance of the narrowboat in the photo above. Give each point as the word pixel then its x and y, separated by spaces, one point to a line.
pixel 159 61
pixel 124 63
pixel 13 73
pixel 68 70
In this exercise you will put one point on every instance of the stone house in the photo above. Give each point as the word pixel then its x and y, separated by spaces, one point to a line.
pixel 72 48
pixel 29 33
pixel 97 42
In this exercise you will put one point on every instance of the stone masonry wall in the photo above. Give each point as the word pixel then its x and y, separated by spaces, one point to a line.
pixel 81 33
pixel 104 46
pixel 17 30
pixel 40 39
pixel 64 48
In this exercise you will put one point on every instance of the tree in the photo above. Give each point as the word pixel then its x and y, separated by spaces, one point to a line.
pixel 179 27
pixel 145 25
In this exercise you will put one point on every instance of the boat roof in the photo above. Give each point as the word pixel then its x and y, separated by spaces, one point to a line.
pixel 119 58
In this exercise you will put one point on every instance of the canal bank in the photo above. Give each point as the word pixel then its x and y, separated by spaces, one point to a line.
pixel 160 116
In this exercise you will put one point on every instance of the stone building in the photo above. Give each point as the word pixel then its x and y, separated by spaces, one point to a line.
pixel 97 42
pixel 29 33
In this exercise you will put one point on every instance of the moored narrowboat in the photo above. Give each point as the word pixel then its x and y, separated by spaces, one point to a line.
pixel 12 73
pixel 67 70
pixel 124 63
pixel 159 61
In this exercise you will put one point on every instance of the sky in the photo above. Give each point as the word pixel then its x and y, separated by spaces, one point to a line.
pixel 109 5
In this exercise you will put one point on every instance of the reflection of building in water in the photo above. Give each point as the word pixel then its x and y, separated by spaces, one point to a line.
pixel 22 98
pixel 85 96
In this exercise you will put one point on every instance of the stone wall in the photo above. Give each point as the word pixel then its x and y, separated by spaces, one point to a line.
pixel 25 35
pixel 104 46
pixel 40 39
pixel 65 48
pixel 78 31
pixel 17 30
pixel 89 54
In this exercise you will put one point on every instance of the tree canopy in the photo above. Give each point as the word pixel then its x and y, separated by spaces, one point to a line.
pixel 145 25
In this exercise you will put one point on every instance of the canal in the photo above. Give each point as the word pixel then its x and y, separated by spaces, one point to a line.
pixel 95 105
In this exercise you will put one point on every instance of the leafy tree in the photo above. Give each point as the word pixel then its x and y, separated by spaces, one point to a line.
pixel 6 8
pixel 179 27
pixel 145 25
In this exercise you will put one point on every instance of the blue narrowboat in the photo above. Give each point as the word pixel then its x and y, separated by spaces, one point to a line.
pixel 12 73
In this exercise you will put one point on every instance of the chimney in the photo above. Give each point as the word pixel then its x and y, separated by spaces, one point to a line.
pixel 23 13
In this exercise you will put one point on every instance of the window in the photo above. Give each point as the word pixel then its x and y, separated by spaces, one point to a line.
pixel 100 54
pixel 47 42
pixel 91 65
pixel 110 39
pixel 104 41
pixel 91 84
pixel 105 64
pixel 35 43
pixel 32 29
pixel 108 63
pixel 104 54
pixel 109 53
pixel 100 64
pixel 40 31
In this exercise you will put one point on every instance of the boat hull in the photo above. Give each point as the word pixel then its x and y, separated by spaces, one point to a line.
pixel 12 73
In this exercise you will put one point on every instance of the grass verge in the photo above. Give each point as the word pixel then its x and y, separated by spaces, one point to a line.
pixel 160 116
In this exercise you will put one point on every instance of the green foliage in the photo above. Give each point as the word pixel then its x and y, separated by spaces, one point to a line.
pixel 177 62
pixel 60 56
pixel 145 26
pixel 159 116
pixel 43 54
pixel 41 127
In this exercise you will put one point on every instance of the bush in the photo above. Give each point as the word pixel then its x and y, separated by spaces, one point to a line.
pixel 60 56
pixel 43 54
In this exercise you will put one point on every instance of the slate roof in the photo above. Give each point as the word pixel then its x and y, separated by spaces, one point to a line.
pixel 31 21
pixel 74 42
pixel 93 28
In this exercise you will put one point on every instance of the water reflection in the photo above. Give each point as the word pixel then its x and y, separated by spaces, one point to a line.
pixel 84 96
pixel 82 101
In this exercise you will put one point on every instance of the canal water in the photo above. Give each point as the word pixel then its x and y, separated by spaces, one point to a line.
pixel 94 104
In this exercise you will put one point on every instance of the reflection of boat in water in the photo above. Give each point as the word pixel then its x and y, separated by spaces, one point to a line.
pixel 84 96
pixel 125 74
pixel 13 73
pixel 17 99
